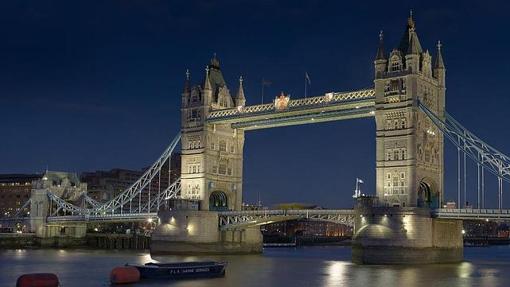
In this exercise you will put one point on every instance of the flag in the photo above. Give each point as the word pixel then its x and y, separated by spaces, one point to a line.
pixel 266 83
pixel 359 180
pixel 308 78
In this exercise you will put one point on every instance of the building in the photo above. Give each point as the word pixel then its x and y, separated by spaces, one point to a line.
pixel 409 156
pixel 212 155
pixel 105 185
pixel 15 190
pixel 307 228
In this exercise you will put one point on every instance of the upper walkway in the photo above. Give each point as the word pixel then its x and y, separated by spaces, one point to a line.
pixel 285 111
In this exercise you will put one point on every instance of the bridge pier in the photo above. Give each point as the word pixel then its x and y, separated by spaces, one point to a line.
pixel 399 235
pixel 198 232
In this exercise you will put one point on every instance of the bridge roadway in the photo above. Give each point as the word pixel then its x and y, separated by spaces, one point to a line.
pixel 248 218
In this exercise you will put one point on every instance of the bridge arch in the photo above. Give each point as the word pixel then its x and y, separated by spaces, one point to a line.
pixel 218 201
pixel 428 194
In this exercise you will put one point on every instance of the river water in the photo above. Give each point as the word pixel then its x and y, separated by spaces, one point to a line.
pixel 305 266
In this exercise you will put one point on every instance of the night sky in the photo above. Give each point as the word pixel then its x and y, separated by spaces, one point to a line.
pixel 88 85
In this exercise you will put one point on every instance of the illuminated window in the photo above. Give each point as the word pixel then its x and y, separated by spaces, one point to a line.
pixel 223 146
pixel 223 168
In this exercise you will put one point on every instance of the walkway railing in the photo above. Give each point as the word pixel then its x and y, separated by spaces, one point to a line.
pixel 327 99
pixel 472 213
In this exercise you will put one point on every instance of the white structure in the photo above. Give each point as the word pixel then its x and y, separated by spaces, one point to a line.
pixel 409 152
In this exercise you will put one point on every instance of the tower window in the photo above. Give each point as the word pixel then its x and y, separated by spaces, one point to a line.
pixel 223 146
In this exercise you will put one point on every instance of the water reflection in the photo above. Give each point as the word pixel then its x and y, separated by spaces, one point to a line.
pixel 321 266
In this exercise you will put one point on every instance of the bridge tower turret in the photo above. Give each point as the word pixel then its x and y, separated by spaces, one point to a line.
pixel 212 155
pixel 409 156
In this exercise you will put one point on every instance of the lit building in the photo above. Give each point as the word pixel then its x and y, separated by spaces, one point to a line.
pixel 15 191
pixel 307 228
pixel 105 185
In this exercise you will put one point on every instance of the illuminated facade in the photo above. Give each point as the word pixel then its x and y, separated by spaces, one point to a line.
pixel 212 154
pixel 14 192
pixel 409 154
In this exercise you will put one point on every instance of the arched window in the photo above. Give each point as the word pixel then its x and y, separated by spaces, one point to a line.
pixel 403 123
pixel 395 61
pixel 218 201
pixel 396 155
pixel 223 145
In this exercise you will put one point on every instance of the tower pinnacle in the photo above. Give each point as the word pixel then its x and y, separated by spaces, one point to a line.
pixel 240 99
pixel 439 64
pixel 380 49
pixel 187 82
pixel 207 83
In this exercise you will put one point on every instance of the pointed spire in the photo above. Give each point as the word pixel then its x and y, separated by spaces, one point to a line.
pixel 240 99
pixel 409 44
pixel 414 43
pixel 380 49
pixel 439 64
pixel 207 83
pixel 187 82
pixel 410 20
pixel 215 63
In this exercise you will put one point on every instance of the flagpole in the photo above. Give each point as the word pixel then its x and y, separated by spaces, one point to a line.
pixel 263 83
pixel 305 84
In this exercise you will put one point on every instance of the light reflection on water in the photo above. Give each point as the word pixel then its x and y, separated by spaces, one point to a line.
pixel 312 266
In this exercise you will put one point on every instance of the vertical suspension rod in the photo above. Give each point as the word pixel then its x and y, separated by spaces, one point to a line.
pixel 465 176
pixel 483 186
pixel 149 206
pixel 159 189
pixel 478 201
pixel 459 183
pixel 500 187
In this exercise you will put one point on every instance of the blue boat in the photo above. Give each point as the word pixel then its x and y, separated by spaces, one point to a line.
pixel 183 270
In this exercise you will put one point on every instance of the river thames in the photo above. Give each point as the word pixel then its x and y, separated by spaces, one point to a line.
pixel 306 266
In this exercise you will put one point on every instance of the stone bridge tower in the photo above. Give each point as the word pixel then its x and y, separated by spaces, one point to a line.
pixel 409 156
pixel 212 155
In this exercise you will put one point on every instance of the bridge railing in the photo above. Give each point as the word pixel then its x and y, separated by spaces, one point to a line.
pixel 328 98
pixel 102 217
pixel 472 213
pixel 233 219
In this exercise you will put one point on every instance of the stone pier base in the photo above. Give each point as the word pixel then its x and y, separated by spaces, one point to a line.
pixel 399 235
pixel 189 232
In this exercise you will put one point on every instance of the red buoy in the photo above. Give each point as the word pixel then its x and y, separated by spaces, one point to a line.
pixel 124 275
pixel 37 280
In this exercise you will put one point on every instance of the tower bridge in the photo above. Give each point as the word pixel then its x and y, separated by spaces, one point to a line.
pixel 407 102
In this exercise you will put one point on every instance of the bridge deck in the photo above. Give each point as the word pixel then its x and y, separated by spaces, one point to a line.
pixel 474 214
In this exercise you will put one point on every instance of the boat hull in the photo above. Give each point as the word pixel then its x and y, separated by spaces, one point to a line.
pixel 181 271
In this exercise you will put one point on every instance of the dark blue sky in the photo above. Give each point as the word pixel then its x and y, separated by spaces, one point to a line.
pixel 88 85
